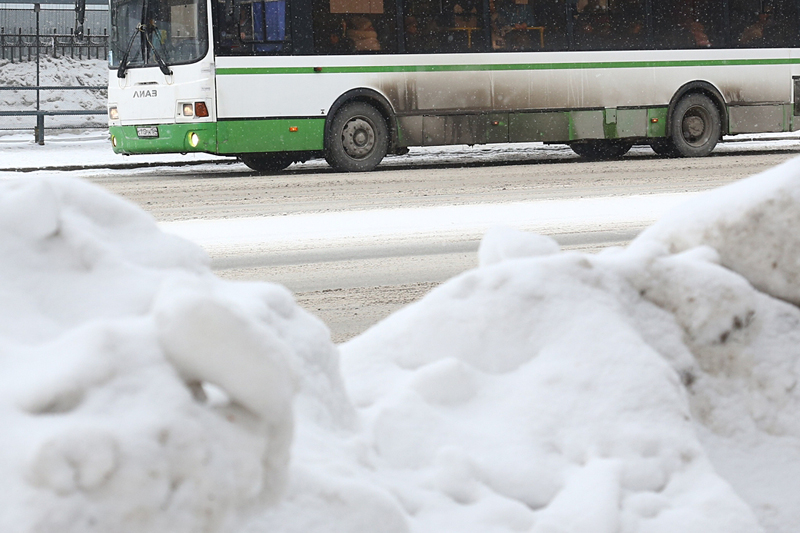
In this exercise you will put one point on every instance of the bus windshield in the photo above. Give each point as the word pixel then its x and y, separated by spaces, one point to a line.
pixel 144 30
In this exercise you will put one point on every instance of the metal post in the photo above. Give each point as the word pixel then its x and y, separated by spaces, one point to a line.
pixel 39 117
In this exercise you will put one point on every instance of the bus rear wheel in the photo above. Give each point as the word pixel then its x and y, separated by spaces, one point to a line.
pixel 358 139
pixel 601 149
pixel 696 126
pixel 271 162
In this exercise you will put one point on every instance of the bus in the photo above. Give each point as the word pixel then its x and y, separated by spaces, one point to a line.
pixel 274 82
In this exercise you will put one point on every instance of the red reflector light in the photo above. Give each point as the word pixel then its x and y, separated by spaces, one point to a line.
pixel 200 109
pixel 293 128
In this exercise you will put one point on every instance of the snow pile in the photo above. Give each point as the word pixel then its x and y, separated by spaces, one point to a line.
pixel 62 71
pixel 651 389
pixel 138 391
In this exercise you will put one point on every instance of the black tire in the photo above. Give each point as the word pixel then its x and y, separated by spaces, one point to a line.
pixel 601 149
pixel 664 147
pixel 358 138
pixel 696 126
pixel 270 162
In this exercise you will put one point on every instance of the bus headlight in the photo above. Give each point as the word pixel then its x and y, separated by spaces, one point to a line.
pixel 113 114
pixel 194 140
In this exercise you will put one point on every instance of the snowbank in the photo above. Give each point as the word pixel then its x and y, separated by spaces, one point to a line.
pixel 641 390
pixel 138 391
pixel 64 71
pixel 650 389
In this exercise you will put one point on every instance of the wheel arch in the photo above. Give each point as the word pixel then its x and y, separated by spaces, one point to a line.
pixel 705 88
pixel 373 98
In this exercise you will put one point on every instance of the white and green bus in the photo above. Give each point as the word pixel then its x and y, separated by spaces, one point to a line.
pixel 279 81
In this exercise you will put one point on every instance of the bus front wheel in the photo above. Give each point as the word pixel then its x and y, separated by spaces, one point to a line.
pixel 358 140
pixel 601 149
pixel 271 162
pixel 695 127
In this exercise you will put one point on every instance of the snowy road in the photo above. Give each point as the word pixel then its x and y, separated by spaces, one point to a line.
pixel 356 247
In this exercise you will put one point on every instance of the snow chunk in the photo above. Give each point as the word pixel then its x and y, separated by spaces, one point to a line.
pixel 139 392
pixel 501 243
pixel 751 224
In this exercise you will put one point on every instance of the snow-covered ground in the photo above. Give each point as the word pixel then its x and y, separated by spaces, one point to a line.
pixel 79 149
pixel 648 389
pixel 317 231
pixel 63 71
pixel 92 149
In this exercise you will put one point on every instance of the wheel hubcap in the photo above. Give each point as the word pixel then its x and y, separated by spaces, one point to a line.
pixel 695 126
pixel 358 138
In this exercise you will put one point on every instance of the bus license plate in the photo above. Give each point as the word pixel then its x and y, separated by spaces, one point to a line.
pixel 147 131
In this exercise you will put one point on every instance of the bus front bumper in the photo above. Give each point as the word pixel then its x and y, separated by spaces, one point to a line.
pixel 164 138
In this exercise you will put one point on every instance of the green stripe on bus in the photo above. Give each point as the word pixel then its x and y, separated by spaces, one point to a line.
pixel 501 67
pixel 270 135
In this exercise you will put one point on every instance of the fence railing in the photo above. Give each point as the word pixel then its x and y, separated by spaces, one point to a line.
pixel 36 46
pixel 22 46
pixel 52 28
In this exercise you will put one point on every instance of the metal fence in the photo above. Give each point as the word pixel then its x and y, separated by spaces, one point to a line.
pixel 48 44
pixel 24 27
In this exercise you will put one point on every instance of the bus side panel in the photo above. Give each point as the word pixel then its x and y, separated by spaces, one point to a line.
pixel 437 92
pixel 757 119
pixel 544 127
pixel 270 135
pixel 483 98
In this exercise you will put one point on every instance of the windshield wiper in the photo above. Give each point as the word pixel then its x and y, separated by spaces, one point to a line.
pixel 123 63
pixel 144 30
pixel 162 65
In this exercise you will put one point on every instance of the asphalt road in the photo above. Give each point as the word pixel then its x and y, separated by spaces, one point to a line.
pixel 352 287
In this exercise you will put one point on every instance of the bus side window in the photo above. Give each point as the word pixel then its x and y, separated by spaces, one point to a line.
pixel 269 25
pixel 354 26
pixel 551 15
pixel 763 23
pixel 682 24
pixel 449 26
pixel 252 28
pixel 610 25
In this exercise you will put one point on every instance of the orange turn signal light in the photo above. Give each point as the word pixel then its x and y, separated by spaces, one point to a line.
pixel 654 120
pixel 293 128
pixel 200 109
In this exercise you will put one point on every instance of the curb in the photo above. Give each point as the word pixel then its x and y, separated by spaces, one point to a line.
pixel 123 166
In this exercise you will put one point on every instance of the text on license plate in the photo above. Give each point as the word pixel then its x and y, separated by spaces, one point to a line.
pixel 147 131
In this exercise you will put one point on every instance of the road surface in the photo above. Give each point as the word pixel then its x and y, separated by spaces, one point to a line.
pixel 353 280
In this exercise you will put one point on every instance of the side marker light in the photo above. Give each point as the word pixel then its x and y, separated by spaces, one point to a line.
pixel 293 128
pixel 654 120
pixel 200 109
